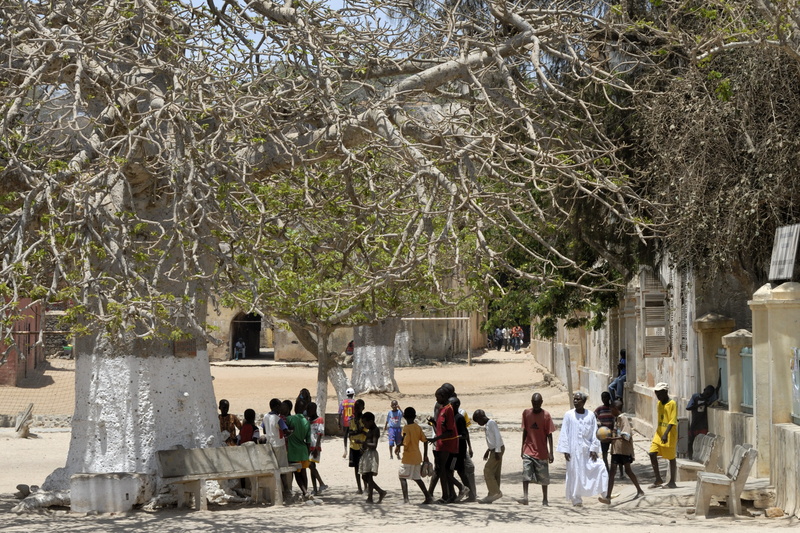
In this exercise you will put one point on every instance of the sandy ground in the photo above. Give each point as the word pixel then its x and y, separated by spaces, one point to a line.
pixel 499 383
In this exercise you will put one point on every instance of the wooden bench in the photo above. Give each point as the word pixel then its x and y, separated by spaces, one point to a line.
pixel 727 486
pixel 189 469
pixel 706 451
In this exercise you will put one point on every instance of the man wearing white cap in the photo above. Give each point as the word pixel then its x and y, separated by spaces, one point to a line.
pixel 665 441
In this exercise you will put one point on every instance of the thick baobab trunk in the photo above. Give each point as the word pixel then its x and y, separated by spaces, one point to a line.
pixel 373 358
pixel 133 398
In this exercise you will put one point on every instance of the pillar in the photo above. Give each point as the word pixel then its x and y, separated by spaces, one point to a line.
pixel 762 376
pixel 733 343
pixel 783 309
pixel 710 329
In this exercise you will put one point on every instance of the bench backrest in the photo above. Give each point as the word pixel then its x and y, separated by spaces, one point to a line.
pixel 714 443
pixel 197 461
pixel 700 449
pixel 744 456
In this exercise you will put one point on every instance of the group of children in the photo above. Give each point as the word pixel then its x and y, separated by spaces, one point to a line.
pixel 294 438
pixel 452 448
pixel 297 438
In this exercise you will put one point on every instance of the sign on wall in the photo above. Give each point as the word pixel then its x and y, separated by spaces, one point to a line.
pixel 784 251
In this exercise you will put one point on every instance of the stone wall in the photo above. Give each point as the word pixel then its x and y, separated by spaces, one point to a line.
pixel 54 337
pixel 785 474
pixel 40 421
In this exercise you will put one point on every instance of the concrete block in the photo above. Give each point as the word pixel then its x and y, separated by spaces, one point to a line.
pixel 763 498
pixel 774 512
pixel 113 492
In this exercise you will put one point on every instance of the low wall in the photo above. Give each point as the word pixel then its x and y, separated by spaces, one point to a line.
pixel 785 474
pixel 594 383
pixel 541 352
pixel 735 428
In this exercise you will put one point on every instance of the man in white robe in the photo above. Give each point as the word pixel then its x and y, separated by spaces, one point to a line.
pixel 586 476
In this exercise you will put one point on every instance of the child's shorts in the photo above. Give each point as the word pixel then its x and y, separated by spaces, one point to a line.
pixel 535 470
pixel 445 461
pixel 412 472
pixel 620 459
pixel 665 451
pixel 314 455
pixel 303 465
pixel 355 458
pixel 395 436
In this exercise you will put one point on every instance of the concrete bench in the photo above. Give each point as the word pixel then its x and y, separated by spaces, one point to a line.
pixel 706 452
pixel 189 469
pixel 727 486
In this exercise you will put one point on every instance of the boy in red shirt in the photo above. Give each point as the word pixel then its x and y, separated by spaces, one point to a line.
pixel 446 442
pixel 537 447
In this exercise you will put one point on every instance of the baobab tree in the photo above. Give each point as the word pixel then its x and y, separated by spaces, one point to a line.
pixel 156 156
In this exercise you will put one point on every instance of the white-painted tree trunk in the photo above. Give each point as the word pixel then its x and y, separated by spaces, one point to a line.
pixel 402 355
pixel 373 358
pixel 131 400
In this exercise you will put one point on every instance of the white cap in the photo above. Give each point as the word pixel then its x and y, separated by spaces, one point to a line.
pixel 661 386
pixel 350 391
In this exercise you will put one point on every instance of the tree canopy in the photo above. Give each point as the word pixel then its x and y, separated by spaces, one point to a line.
pixel 138 136
pixel 146 145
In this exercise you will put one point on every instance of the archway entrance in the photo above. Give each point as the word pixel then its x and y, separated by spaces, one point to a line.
pixel 246 326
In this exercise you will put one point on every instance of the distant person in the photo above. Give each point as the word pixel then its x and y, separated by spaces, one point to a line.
pixel 368 465
pixel 665 441
pixel 394 429
pixel 697 405
pixel 495 448
pixel 605 419
pixel 518 335
pixel 411 467
pixel 346 415
pixel 621 451
pixel 316 433
pixel 351 347
pixel 537 448
pixel 249 431
pixel 506 339
pixel 239 349
pixel 586 476
pixel 617 385
pixel 498 338
pixel 228 423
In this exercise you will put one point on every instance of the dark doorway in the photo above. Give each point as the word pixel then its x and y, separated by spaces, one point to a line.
pixel 248 328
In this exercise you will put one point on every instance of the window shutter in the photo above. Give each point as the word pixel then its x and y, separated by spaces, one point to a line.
pixel 654 316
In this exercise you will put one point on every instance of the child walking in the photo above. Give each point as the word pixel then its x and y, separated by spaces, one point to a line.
pixel 411 467
pixel 621 451
pixel 315 446
pixel 394 429
pixel 493 456
pixel 537 447
pixel 357 434
pixel 368 466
